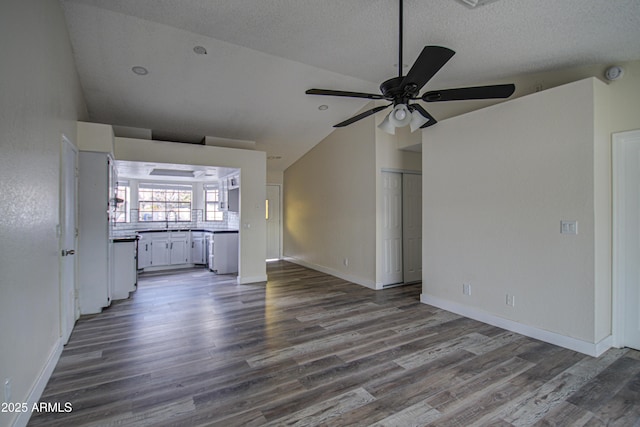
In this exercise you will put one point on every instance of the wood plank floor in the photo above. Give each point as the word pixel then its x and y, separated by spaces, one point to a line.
pixel 307 349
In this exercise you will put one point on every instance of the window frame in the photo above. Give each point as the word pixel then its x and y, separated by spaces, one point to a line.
pixel 149 195
pixel 218 214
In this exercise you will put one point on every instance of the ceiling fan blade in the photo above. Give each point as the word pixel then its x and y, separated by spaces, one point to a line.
pixel 477 92
pixel 330 92
pixel 361 116
pixel 432 121
pixel 431 59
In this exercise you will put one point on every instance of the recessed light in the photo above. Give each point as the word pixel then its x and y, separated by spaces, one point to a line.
pixel 200 50
pixel 472 4
pixel 141 71
pixel 323 107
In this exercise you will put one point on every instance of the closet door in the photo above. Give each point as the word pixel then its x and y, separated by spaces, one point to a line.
pixel 392 264
pixel 412 227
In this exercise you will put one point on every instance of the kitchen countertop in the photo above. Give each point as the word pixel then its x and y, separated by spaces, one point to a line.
pixel 204 230
pixel 124 239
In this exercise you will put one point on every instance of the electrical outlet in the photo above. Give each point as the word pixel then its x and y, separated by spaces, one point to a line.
pixel 7 390
pixel 466 288
pixel 511 300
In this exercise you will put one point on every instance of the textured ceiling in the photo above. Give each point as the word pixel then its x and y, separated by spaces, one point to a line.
pixel 263 55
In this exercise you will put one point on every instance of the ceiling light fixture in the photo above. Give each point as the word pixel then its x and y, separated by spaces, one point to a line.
pixel 139 70
pixel 401 116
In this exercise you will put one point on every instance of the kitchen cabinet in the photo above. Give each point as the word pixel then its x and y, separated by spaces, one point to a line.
pixel 96 185
pixel 159 249
pixel 225 252
pixel 163 248
pixel 234 200
pixel 197 248
pixel 125 272
pixel 144 251
pixel 178 244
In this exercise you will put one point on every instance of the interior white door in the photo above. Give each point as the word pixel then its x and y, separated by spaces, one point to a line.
pixel 68 226
pixel 412 227
pixel 392 265
pixel 627 236
pixel 273 221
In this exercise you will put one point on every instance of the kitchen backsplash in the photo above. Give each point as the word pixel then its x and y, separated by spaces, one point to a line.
pixel 231 222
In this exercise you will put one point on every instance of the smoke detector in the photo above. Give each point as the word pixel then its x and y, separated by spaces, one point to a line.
pixel 472 4
pixel 614 73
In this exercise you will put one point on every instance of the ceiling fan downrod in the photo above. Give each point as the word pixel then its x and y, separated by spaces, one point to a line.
pixel 400 42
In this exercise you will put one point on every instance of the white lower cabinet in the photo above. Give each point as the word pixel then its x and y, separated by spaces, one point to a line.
pixel 178 244
pixel 124 261
pixel 225 248
pixel 197 248
pixel 159 249
pixel 144 251
pixel 168 248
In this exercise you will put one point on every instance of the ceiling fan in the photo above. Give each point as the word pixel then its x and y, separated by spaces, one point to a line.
pixel 402 90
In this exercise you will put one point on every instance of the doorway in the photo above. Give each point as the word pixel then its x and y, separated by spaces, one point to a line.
pixel 626 238
pixel 272 213
pixel 401 228
pixel 68 235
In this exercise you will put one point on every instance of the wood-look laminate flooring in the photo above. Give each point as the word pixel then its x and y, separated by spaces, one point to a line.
pixel 307 349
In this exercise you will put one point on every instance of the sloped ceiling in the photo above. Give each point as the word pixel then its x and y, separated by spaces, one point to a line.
pixel 263 54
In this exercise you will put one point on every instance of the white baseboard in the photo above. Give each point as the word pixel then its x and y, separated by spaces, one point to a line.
pixel 41 382
pixel 590 349
pixel 243 280
pixel 354 279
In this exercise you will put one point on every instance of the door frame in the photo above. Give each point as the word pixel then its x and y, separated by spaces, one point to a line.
pixel 379 249
pixel 280 220
pixel 619 222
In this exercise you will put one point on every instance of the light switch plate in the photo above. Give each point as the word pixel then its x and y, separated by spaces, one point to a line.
pixel 568 227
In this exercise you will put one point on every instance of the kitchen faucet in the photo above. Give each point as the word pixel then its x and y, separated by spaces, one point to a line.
pixel 175 218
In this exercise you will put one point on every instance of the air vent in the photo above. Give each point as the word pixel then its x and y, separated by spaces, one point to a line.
pixel 472 4
pixel 173 172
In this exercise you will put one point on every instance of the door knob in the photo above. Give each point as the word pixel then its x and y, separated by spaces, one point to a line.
pixel 67 252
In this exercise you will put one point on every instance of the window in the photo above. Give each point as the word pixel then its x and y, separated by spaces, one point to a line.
pixel 164 202
pixel 123 209
pixel 212 204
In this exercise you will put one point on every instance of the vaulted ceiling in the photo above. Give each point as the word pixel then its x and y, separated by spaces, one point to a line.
pixel 261 56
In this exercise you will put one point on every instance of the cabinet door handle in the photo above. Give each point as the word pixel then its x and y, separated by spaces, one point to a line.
pixel 191 245
pixel 146 247
pixel 171 245
pixel 166 246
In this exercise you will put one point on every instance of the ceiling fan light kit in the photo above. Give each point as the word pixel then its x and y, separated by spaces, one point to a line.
pixel 401 90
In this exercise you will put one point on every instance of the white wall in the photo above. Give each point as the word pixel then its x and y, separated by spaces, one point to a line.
pixel 496 184
pixel 252 165
pixel 41 100
pixel 330 205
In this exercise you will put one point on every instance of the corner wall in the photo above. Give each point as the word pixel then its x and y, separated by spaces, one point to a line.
pixel 330 205
pixel 41 100
pixel 496 184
